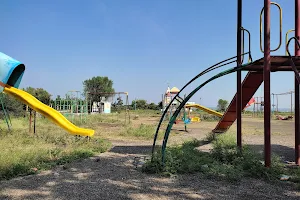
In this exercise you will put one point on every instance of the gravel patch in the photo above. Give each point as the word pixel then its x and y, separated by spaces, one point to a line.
pixel 113 175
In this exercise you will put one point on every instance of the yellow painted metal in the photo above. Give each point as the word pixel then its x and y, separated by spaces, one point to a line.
pixel 47 111
pixel 210 111
pixel 286 39
pixel 280 28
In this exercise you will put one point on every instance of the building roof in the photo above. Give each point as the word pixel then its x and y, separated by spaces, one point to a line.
pixel 174 90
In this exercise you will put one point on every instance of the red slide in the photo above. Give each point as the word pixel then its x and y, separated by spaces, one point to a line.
pixel 249 86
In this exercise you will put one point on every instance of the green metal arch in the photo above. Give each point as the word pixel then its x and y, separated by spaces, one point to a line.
pixel 211 68
pixel 173 118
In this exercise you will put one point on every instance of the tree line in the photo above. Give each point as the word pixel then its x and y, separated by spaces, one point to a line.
pixel 94 89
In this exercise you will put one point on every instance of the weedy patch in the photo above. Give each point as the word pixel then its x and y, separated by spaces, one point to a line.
pixel 224 161
pixel 23 153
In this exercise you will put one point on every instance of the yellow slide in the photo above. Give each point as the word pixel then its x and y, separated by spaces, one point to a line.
pixel 210 111
pixel 47 111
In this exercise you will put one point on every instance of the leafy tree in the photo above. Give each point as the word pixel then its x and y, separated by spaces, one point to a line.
pixel 39 93
pixel 119 101
pixel 153 106
pixel 12 105
pixel 222 105
pixel 58 98
pixel 92 87
pixel 15 107
pixel 160 105
pixel 140 104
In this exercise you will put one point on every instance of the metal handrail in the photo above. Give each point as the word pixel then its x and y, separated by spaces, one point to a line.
pixel 286 38
pixel 280 28
pixel 291 58
pixel 288 44
pixel 243 44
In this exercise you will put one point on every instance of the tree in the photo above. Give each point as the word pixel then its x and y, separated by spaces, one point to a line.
pixel 39 93
pixel 153 106
pixel 58 98
pixel 15 107
pixel 222 105
pixel 140 104
pixel 160 105
pixel 12 105
pixel 99 84
pixel 119 101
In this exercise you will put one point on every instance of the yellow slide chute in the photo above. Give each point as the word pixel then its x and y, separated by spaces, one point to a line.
pixel 47 111
pixel 210 111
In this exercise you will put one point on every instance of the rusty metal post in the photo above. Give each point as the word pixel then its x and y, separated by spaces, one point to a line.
pixel 277 104
pixel 30 119
pixel 267 71
pixel 291 103
pixel 34 121
pixel 261 104
pixel 253 115
pixel 297 118
pixel 239 76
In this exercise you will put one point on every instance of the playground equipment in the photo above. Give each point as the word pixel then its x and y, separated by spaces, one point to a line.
pixel 72 107
pixel 170 105
pixel 5 113
pixel 252 101
pixel 258 71
pixel 127 115
pixel 258 106
pixel 280 94
pixel 258 103
pixel 195 119
pixel 11 73
pixel 210 111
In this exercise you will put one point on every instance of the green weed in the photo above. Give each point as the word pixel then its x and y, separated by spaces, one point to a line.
pixel 224 161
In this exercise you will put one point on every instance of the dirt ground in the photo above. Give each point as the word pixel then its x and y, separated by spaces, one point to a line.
pixel 282 135
pixel 113 175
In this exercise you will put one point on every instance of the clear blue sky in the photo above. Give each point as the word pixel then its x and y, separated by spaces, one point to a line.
pixel 140 45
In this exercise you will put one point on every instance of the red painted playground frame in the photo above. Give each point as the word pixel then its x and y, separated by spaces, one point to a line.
pixel 266 80
pixel 258 71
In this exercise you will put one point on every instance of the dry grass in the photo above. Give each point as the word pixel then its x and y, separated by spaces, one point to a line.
pixel 112 175
pixel 22 151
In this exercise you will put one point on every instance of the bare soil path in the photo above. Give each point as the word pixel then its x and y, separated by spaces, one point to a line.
pixel 113 175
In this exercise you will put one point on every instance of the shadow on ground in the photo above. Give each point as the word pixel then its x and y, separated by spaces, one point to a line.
pixel 146 149
pixel 112 175
pixel 284 152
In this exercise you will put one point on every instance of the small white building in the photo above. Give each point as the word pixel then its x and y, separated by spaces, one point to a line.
pixel 106 107
pixel 101 107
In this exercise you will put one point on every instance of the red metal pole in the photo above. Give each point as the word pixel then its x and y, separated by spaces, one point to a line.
pixel 267 71
pixel 239 76
pixel 297 53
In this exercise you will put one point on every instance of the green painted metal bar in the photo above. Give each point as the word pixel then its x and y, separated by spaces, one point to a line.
pixel 173 118
pixel 6 116
pixel 211 68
